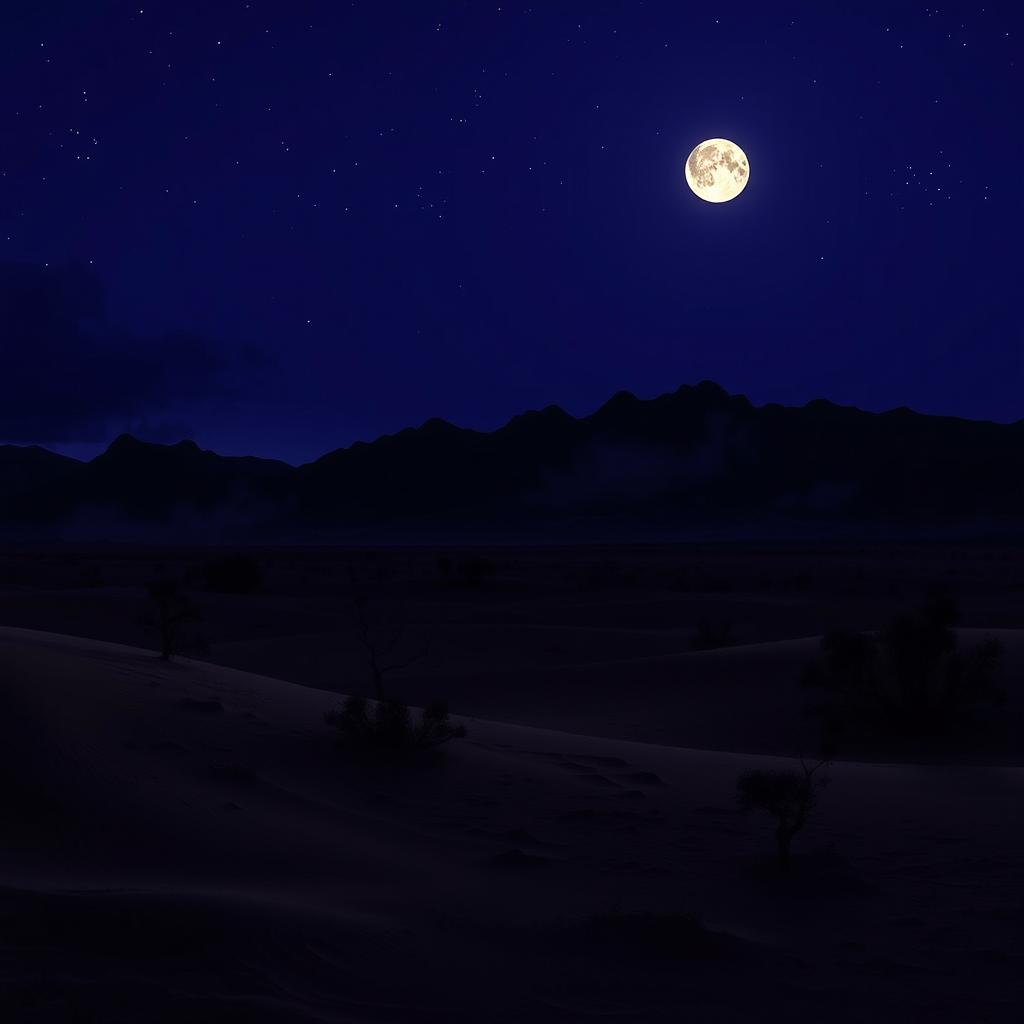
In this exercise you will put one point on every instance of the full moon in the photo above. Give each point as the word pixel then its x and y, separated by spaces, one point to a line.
pixel 717 170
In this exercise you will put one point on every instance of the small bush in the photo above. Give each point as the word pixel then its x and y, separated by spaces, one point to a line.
pixel 170 610
pixel 789 797
pixel 387 726
pixel 910 680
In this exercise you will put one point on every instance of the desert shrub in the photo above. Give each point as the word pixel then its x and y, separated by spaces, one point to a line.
pixel 170 610
pixel 710 635
pixel 787 796
pixel 233 574
pixel 388 727
pixel 910 679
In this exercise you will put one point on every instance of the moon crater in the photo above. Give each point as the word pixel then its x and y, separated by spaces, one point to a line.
pixel 717 170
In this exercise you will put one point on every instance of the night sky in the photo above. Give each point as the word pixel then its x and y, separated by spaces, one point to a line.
pixel 278 227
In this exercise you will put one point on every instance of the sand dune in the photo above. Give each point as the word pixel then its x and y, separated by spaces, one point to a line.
pixel 186 843
pixel 745 697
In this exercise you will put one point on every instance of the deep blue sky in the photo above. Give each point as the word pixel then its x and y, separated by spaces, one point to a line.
pixel 308 223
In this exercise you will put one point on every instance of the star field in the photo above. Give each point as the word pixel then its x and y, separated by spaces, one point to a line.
pixel 373 213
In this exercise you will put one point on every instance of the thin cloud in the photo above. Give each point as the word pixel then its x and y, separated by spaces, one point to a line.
pixel 69 375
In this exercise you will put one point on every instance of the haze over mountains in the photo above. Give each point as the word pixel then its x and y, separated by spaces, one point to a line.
pixel 697 461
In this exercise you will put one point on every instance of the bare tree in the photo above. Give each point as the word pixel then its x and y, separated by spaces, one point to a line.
pixel 383 640
pixel 171 610
pixel 789 797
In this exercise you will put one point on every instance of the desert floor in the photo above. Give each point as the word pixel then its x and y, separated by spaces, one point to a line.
pixel 186 842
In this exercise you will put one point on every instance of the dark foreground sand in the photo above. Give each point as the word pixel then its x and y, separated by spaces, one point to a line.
pixel 184 842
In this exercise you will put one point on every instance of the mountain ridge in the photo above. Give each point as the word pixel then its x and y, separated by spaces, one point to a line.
pixel 692 458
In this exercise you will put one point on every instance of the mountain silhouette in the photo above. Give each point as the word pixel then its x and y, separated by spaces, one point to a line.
pixel 697 460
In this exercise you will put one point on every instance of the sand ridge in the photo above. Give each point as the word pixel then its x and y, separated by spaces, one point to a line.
pixel 173 802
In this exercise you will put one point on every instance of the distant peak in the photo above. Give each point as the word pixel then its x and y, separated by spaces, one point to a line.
pixel 706 391
pixel 622 396
pixel 436 425
pixel 549 414
pixel 553 412
pixel 620 400
pixel 124 442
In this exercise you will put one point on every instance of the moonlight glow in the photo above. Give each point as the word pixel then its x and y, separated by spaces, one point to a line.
pixel 717 170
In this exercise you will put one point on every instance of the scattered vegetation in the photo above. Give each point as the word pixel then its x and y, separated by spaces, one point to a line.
pixel 170 610
pixel 909 680
pixel 787 796
pixel 387 727
pixel 233 574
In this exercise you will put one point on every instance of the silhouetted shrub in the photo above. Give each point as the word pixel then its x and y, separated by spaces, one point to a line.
pixel 233 574
pixel 908 680
pixel 387 726
pixel 788 796
pixel 711 635
pixel 171 609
